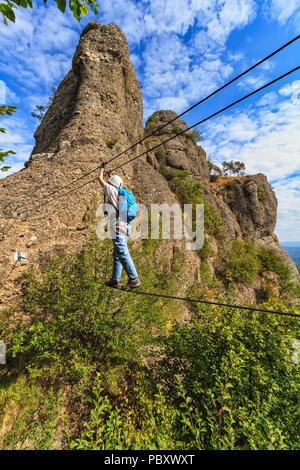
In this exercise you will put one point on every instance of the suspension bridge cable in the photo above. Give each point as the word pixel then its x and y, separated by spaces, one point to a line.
pixel 183 113
pixel 171 138
pixel 209 96
pixel 207 302
pixel 209 117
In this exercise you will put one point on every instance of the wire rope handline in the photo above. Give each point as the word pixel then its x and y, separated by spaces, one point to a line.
pixel 171 138
pixel 211 116
pixel 184 112
pixel 208 302
pixel 209 96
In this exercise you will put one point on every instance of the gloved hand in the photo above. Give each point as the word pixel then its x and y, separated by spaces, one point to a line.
pixel 103 164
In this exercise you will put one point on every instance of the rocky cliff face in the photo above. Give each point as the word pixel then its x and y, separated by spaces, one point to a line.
pixel 97 112
pixel 247 205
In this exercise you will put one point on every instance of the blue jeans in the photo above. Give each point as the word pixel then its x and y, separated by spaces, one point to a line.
pixel 122 258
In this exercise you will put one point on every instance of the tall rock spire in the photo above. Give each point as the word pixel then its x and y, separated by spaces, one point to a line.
pixel 98 98
pixel 96 113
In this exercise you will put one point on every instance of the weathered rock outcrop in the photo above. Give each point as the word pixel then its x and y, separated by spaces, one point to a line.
pixel 252 202
pixel 180 153
pixel 247 204
pixel 96 113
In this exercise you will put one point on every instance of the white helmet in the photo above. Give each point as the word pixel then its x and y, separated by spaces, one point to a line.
pixel 116 181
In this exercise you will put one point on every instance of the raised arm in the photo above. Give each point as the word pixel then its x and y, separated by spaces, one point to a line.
pixel 101 174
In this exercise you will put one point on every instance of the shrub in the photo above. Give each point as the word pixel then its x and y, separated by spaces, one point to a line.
pixel 233 368
pixel 111 143
pixel 195 136
pixel 139 418
pixel 190 192
pixel 75 326
pixel 160 154
pixel 261 194
pixel 29 414
pixel 270 261
pixel 239 262
pixel 151 124
pixel 206 251
pixel 242 261
pixel 233 168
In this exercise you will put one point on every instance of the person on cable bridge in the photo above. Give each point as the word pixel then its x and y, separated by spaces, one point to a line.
pixel 123 210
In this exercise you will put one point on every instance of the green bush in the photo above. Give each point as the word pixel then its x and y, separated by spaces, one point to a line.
pixel 160 154
pixel 243 261
pixel 206 251
pixel 239 262
pixel 75 327
pixel 140 418
pixel 195 136
pixel 219 383
pixel 111 143
pixel 234 368
pixel 261 194
pixel 29 414
pixel 76 355
pixel 270 261
pixel 151 125
pixel 191 192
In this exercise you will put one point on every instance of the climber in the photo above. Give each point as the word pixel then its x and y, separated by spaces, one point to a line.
pixel 121 256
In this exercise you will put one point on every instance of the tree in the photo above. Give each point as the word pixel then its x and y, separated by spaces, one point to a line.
pixel 40 110
pixel 5 111
pixel 78 7
pixel 233 168
pixel 195 136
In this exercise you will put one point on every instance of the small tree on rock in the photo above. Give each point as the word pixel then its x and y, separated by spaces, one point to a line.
pixel 40 110
pixel 232 168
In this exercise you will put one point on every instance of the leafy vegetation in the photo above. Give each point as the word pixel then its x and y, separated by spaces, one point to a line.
pixel 40 110
pixel 220 378
pixel 79 8
pixel 5 111
pixel 195 136
pixel 160 154
pixel 75 323
pixel 190 192
pixel 242 261
pixel 111 143
pixel 233 368
pixel 94 368
pixel 151 125
pixel 261 194
pixel 233 168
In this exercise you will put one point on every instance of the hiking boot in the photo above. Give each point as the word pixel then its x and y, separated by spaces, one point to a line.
pixel 132 284
pixel 113 283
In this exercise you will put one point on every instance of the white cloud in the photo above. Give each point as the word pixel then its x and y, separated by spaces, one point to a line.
pixel 269 99
pixel 267 140
pixel 2 92
pixel 37 48
pixel 288 195
pixel 232 14
pixel 282 10
pixel 175 67
pixel 127 15
pixel 19 138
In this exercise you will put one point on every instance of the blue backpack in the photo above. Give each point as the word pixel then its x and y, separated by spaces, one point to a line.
pixel 127 205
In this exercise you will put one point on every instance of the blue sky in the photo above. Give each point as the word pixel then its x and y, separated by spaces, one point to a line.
pixel 181 50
